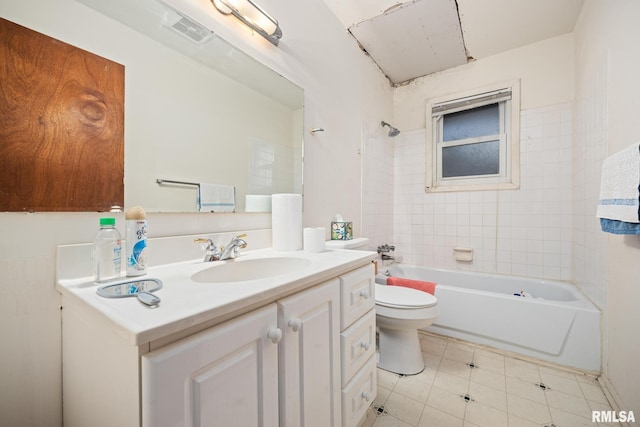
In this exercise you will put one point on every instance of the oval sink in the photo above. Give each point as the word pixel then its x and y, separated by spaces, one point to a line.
pixel 250 269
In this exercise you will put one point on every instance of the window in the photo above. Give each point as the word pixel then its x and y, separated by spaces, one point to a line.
pixel 473 140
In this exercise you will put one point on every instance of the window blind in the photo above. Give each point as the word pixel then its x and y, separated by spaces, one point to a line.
pixel 479 100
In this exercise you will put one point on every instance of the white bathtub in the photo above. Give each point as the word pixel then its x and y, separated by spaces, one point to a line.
pixel 558 323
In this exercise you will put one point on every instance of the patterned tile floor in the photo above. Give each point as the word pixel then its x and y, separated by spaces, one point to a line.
pixel 468 385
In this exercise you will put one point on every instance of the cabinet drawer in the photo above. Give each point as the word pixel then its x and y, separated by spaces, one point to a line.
pixel 358 343
pixel 358 395
pixel 357 295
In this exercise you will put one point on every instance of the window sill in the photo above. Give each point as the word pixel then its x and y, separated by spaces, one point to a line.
pixel 473 187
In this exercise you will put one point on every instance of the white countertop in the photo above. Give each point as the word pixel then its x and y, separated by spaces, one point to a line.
pixel 186 303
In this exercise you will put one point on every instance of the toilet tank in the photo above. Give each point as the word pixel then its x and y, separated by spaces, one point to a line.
pixel 359 243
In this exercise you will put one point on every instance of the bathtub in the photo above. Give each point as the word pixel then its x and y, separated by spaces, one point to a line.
pixel 553 322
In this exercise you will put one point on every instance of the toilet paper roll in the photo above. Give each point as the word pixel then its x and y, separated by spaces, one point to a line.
pixel 257 203
pixel 314 239
pixel 286 222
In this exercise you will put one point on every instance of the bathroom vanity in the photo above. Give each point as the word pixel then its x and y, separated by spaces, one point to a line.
pixel 293 348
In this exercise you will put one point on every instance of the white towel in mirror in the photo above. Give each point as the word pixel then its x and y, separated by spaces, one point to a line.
pixel 216 198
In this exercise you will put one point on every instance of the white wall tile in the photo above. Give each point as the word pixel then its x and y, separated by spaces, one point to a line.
pixel 508 230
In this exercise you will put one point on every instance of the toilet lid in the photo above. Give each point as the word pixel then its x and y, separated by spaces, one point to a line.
pixel 398 297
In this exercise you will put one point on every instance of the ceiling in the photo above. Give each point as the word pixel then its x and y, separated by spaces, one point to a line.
pixel 409 39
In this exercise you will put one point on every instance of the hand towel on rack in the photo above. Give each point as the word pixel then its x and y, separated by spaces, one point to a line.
pixel 216 198
pixel 619 202
pixel 429 287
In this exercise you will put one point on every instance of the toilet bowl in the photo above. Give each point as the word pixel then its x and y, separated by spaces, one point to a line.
pixel 400 312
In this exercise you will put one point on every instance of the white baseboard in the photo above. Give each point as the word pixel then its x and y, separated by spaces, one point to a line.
pixel 614 398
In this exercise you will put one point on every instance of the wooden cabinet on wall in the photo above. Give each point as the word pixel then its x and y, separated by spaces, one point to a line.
pixel 61 125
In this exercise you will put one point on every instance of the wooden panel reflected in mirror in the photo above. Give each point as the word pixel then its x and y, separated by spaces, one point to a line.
pixel 61 125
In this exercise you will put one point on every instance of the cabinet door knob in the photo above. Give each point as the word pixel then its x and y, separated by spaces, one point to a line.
pixel 275 335
pixel 364 293
pixel 365 345
pixel 295 324
pixel 366 396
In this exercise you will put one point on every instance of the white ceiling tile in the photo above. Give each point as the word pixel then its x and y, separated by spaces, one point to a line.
pixel 352 12
pixel 400 41
pixel 409 39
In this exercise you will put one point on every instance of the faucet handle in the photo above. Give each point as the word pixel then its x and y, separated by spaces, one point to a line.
pixel 209 242
pixel 231 250
pixel 384 249
pixel 241 237
pixel 212 252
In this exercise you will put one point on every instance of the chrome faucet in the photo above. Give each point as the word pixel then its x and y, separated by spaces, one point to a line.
pixel 387 251
pixel 212 252
pixel 231 250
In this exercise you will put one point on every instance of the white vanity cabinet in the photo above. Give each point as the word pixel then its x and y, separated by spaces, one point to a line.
pixel 282 364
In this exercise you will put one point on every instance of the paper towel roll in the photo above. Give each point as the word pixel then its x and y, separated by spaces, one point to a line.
pixel 314 239
pixel 286 222
pixel 257 203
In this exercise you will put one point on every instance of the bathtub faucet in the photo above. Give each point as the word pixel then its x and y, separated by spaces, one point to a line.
pixel 386 251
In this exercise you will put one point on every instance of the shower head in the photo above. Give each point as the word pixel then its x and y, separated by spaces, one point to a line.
pixel 392 131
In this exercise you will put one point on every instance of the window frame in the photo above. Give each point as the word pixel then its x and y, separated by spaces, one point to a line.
pixel 507 95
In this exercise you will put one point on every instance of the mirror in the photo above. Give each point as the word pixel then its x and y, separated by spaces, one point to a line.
pixel 129 289
pixel 199 112
pixel 142 289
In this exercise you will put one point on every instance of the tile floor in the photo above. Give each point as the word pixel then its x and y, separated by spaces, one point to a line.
pixel 468 385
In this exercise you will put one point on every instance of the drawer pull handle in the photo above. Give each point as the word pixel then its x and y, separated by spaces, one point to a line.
pixel 295 324
pixel 366 396
pixel 275 335
pixel 365 345
pixel 364 293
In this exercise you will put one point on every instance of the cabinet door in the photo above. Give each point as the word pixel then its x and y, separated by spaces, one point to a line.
pixel 309 357
pixel 224 376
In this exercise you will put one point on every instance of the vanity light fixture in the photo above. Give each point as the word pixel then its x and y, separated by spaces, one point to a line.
pixel 252 16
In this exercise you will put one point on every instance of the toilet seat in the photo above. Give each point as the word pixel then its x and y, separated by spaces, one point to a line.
pixel 400 297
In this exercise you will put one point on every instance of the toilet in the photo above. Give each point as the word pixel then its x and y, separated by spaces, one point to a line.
pixel 400 312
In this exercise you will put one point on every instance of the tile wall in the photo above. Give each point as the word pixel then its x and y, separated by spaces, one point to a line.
pixel 589 150
pixel 525 232
pixel 377 194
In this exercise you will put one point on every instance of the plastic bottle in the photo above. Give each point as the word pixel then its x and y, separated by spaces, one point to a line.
pixel 107 251
pixel 136 237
